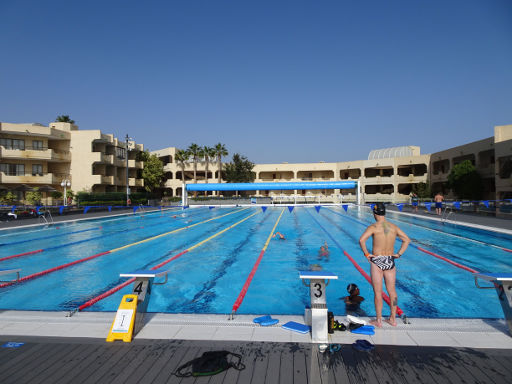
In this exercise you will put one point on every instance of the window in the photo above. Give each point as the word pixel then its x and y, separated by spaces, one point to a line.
pixel 13 169
pixel 37 145
pixel 37 170
pixel 120 153
pixel 12 144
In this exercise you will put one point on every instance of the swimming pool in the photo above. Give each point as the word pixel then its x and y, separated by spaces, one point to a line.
pixel 211 252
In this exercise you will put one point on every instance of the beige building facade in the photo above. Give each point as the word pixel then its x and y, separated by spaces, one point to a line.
pixel 387 176
pixel 35 155
pixel 492 158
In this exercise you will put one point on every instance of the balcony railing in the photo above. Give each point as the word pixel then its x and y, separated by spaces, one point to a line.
pixel 136 182
pixel 37 153
pixel 28 178
pixel 107 180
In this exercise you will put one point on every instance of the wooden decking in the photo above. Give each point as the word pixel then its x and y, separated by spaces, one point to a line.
pixel 65 360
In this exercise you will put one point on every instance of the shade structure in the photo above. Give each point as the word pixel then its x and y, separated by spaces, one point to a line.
pixel 271 186
pixel 23 188
pixel 46 188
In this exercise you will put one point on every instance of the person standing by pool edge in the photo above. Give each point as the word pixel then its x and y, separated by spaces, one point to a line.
pixel 382 259
pixel 438 198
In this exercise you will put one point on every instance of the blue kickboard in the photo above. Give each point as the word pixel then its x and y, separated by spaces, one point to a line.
pixel 266 323
pixel 365 330
pixel 261 319
pixel 297 327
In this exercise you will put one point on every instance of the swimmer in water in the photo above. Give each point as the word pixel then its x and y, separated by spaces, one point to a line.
pixel 353 301
pixel 382 259
pixel 324 252
pixel 353 298
pixel 281 236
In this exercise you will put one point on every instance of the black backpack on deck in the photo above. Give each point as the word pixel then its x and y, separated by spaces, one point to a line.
pixel 210 363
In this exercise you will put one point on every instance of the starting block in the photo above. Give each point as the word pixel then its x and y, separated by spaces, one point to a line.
pixel 129 318
pixel 8 272
pixel 502 282
pixel 318 281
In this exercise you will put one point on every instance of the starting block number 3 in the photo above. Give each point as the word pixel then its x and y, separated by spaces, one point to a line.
pixel 317 289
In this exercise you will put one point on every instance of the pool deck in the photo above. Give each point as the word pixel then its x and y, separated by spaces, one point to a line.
pixel 60 349
pixel 470 333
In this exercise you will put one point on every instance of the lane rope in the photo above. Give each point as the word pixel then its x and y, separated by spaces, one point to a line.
pixel 248 281
pixel 131 280
pixel 48 237
pixel 57 268
pixel 84 240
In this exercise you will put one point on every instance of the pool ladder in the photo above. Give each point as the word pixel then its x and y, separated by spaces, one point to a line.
pixel 46 218
pixel 448 211
pixel 141 210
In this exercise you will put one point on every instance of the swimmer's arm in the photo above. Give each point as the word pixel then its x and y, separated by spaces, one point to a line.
pixel 405 241
pixel 362 241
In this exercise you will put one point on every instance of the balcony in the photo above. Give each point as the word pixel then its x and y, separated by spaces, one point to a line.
pixel 48 178
pixel 120 162
pixel 172 183
pixel 45 154
pixel 109 180
pixel 411 179
pixel 379 180
pixel 136 164
pixel 136 182
pixel 107 159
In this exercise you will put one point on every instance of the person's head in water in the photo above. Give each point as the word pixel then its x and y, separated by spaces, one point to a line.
pixel 353 290
pixel 379 210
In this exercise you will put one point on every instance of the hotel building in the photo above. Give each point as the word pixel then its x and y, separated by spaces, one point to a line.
pixel 36 155
pixel 387 175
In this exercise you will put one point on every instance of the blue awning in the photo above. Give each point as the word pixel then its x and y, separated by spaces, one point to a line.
pixel 272 186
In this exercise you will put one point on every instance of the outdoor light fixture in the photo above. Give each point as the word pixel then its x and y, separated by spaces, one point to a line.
pixel 65 183
pixel 128 201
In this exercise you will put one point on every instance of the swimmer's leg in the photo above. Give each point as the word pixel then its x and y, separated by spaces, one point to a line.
pixel 390 279
pixel 377 274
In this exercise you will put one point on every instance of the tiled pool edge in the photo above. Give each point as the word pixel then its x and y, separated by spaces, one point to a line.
pixel 470 333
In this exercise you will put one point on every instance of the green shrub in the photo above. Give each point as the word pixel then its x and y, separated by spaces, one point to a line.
pixel 110 198
pixel 34 197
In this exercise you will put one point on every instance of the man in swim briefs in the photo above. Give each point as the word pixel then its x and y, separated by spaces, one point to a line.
pixel 439 202
pixel 382 259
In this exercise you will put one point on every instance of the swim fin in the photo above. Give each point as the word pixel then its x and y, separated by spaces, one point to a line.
pixel 364 330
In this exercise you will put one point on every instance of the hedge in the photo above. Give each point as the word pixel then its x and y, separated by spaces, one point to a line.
pixel 111 198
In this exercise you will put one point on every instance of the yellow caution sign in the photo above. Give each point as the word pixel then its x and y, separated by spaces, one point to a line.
pixel 122 327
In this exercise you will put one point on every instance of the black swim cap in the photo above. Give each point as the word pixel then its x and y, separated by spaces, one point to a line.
pixel 379 209
pixel 351 288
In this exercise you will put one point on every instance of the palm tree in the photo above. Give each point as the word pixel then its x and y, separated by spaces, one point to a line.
pixel 209 154
pixel 220 150
pixel 64 119
pixel 181 158
pixel 194 150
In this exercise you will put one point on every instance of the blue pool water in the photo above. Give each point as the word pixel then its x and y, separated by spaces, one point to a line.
pixel 208 278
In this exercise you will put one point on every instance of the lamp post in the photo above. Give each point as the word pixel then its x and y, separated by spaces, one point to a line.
pixel 127 179
pixel 65 183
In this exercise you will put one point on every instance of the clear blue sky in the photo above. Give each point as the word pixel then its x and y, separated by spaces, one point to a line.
pixel 296 81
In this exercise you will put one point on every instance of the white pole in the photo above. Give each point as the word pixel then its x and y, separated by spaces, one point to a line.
pixel 184 195
pixel 358 193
